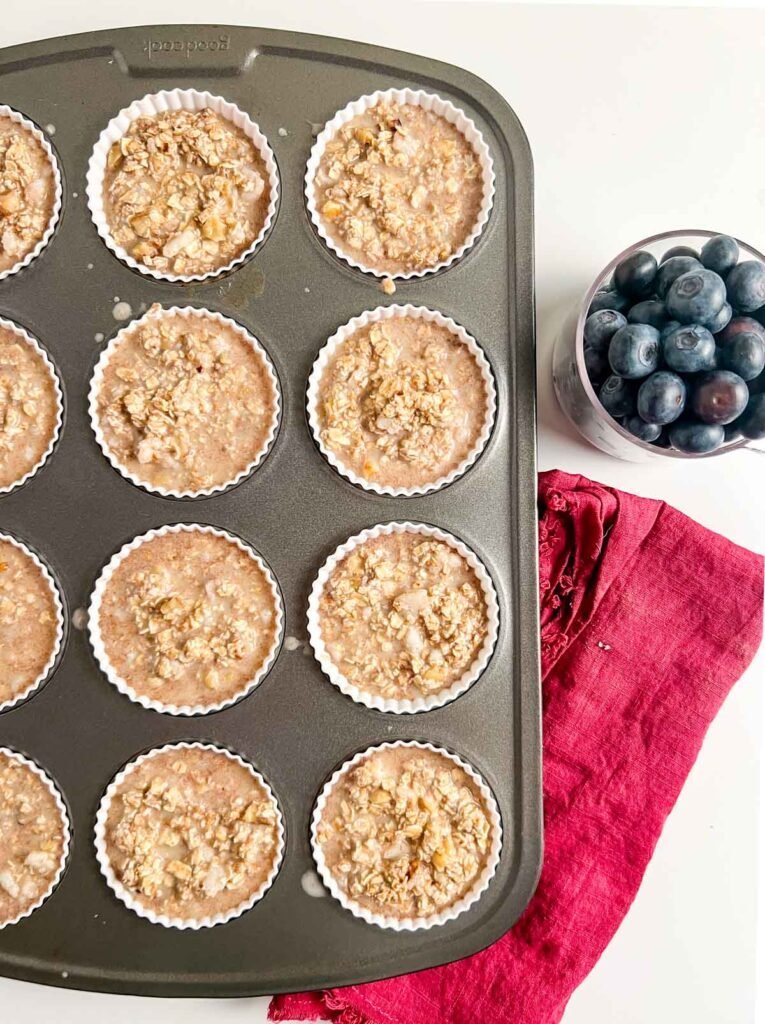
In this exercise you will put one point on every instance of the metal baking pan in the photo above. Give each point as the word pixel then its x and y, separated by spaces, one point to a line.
pixel 296 727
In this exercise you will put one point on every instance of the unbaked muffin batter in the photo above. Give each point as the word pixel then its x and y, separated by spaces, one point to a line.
pixel 27 192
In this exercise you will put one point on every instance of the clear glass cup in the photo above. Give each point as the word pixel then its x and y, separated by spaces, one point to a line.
pixel 572 385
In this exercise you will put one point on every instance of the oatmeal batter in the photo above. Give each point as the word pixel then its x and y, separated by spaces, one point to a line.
pixel 406 833
pixel 402 402
pixel 27 192
pixel 29 407
pixel 403 616
pixel 185 192
pixel 398 188
pixel 28 621
pixel 32 834
pixel 188 618
pixel 185 403
pixel 191 833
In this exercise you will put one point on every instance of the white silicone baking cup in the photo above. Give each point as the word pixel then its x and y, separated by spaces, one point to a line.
pixel 99 648
pixel 199 314
pixel 378 315
pixel 429 101
pixel 131 901
pixel 409 924
pixel 58 605
pixel 58 189
pixel 157 103
pixel 434 700
pixel 27 339
pixel 53 789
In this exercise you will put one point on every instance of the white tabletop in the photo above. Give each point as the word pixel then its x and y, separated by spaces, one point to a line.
pixel 640 120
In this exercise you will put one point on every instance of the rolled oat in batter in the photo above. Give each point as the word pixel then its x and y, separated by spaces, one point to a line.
pixel 406 833
pixel 402 402
pixel 185 192
pixel 188 618
pixel 185 402
pixel 27 192
pixel 29 622
pixel 191 833
pixel 398 188
pixel 403 616
pixel 29 407
pixel 32 836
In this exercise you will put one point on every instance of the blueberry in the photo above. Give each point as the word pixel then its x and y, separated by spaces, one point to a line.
pixel 746 286
pixel 601 326
pixel 671 270
pixel 732 430
pixel 720 254
pixel 649 311
pixel 608 300
pixel 668 328
pixel 757 386
pixel 696 297
pixel 741 325
pixel 752 422
pixel 719 397
pixel 645 431
pixel 617 396
pixel 696 438
pixel 661 397
pixel 679 250
pixel 721 319
pixel 745 355
pixel 635 275
pixel 634 351
pixel 596 363
pixel 689 348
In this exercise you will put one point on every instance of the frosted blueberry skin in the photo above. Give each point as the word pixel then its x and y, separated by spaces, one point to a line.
pixel 751 423
pixel 637 426
pixel 679 250
pixel 721 319
pixel 634 351
pixel 719 397
pixel 738 325
pixel 670 270
pixel 617 396
pixel 720 254
pixel 649 311
pixel 635 275
pixel 596 363
pixel 696 297
pixel 601 326
pixel 609 300
pixel 696 438
pixel 661 397
pixel 744 355
pixel 689 348
pixel 746 286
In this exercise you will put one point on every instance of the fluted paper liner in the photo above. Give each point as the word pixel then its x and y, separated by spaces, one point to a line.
pixel 157 103
pixel 53 789
pixel 429 101
pixel 200 314
pixel 409 924
pixel 99 648
pixel 433 700
pixel 131 901
pixel 379 315
pixel 58 605
pixel 58 190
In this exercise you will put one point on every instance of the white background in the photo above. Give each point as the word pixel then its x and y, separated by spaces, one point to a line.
pixel 640 120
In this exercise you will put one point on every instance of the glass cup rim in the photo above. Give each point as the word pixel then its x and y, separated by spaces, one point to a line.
pixel 579 340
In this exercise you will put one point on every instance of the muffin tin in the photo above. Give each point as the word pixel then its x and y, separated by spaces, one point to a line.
pixel 296 728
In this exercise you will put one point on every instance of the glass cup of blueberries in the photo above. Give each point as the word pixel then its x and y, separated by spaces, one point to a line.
pixel 666 355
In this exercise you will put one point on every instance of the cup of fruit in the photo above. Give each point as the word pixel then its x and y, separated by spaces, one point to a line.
pixel 666 354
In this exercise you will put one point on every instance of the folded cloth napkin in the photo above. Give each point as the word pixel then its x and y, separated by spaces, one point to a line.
pixel 647 621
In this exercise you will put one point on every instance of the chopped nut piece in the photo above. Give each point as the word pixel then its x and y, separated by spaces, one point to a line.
pixel 415 853
pixel 191 833
pixel 399 188
pixel 185 191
